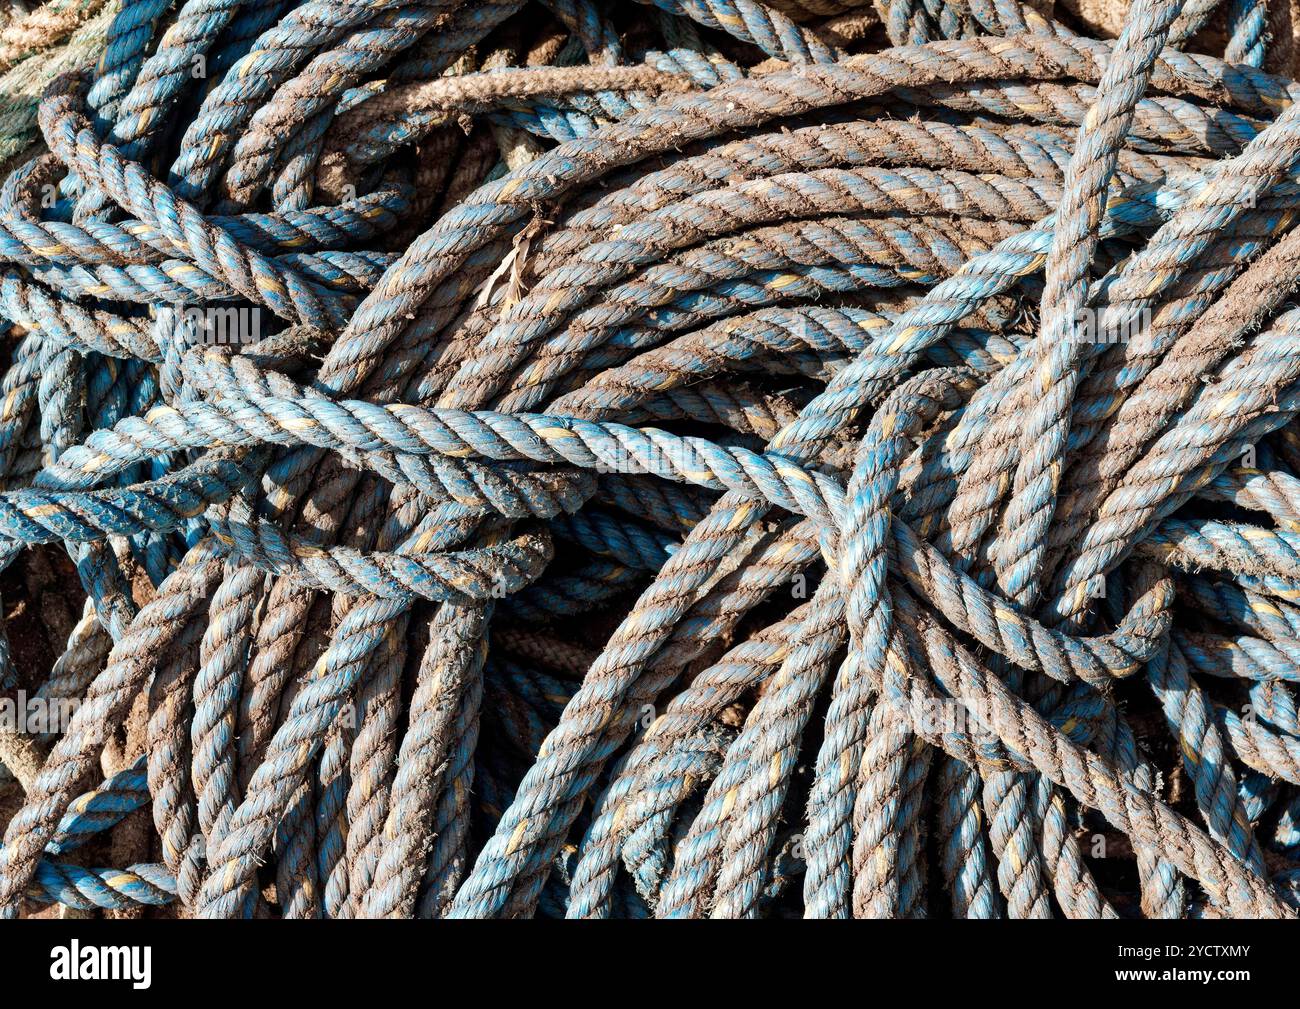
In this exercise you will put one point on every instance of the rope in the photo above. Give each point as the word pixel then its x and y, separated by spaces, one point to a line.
pixel 541 458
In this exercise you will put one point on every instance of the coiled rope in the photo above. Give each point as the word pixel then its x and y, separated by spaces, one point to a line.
pixel 694 458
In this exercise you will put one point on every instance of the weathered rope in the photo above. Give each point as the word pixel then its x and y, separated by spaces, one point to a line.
pixel 700 458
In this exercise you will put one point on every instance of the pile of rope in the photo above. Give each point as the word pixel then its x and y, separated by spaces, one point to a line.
pixel 681 458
